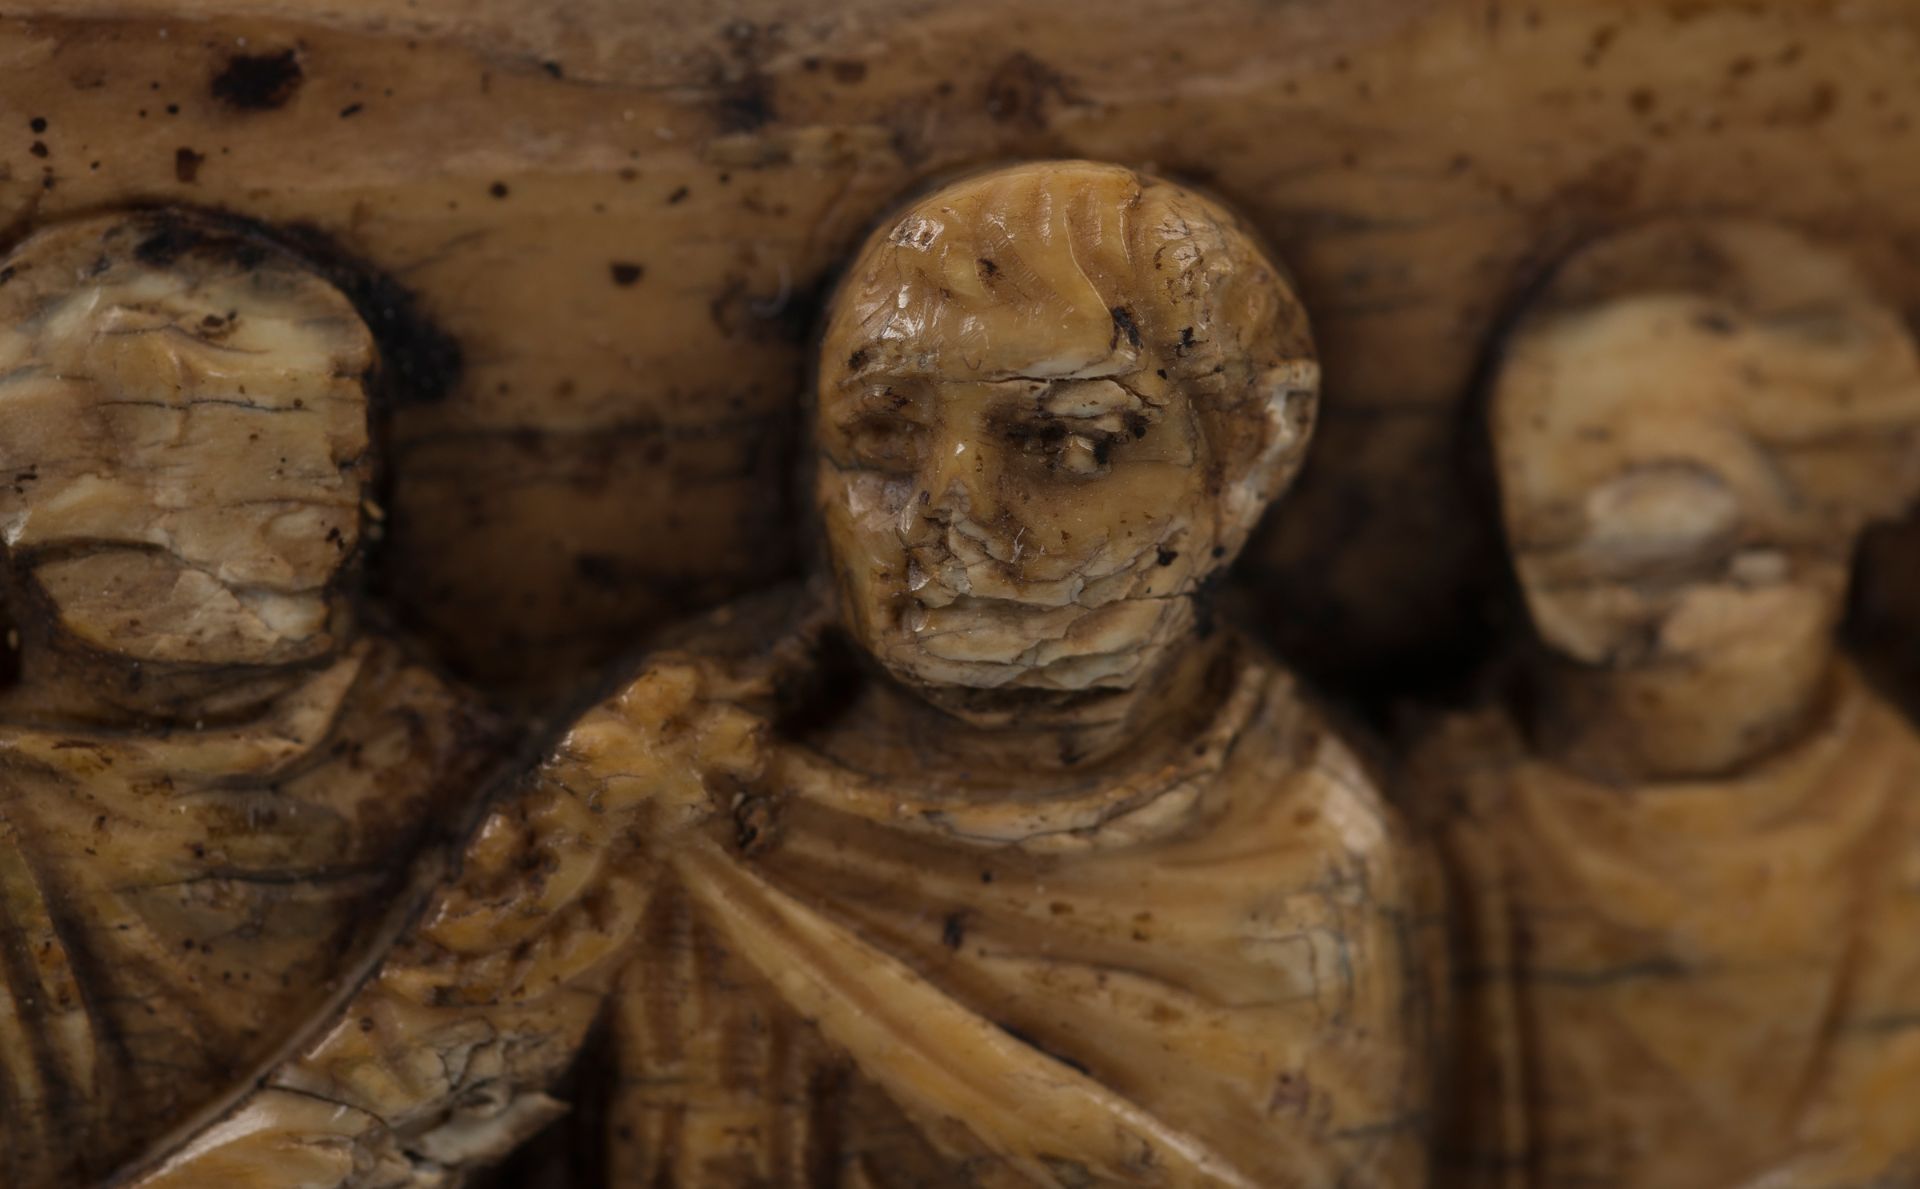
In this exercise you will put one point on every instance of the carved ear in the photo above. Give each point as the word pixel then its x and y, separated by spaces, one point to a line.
pixel 1239 340
pixel 1840 416
pixel 1288 398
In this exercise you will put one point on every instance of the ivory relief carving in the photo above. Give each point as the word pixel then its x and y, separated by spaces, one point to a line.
pixel 1685 869
pixel 980 863
pixel 212 771
pixel 1015 783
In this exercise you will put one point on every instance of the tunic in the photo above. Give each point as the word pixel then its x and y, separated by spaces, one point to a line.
pixel 1686 984
pixel 1202 964
pixel 1202 968
pixel 172 905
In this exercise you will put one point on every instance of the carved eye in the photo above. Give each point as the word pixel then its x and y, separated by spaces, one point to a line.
pixel 882 441
pixel 1084 446
pixel 1076 446
pixel 1083 454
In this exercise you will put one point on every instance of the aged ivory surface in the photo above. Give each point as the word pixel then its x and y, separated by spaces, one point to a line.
pixel 981 863
pixel 1316 595
pixel 1685 868
pixel 211 776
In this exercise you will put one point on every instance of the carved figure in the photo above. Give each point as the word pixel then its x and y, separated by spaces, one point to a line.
pixel 1686 870
pixel 209 775
pixel 993 865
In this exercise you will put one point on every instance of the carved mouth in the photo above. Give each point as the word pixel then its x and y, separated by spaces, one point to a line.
pixel 954 572
pixel 975 616
pixel 994 642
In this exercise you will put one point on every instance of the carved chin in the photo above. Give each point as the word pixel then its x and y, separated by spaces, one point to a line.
pixel 977 614
pixel 999 643
pixel 150 606
pixel 1621 627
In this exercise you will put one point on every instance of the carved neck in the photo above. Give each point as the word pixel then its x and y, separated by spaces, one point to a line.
pixel 1698 718
pixel 58 684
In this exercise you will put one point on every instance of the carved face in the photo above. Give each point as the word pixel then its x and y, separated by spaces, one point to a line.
pixel 1684 474
pixel 1052 400
pixel 184 435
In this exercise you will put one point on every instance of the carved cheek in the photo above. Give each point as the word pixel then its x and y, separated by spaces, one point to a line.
pixel 223 454
pixel 860 511
pixel 1127 510
pixel 1566 626
pixel 309 541
pixel 287 546
pixel 89 506
pixel 1595 623
pixel 347 437
pixel 860 507
pixel 1155 488
pixel 865 496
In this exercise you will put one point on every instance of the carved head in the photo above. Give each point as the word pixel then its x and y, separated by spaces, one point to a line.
pixel 1692 429
pixel 183 432
pixel 1053 399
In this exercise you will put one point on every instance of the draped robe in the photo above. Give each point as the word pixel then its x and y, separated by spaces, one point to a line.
pixel 1686 984
pixel 1199 965
pixel 1206 962
pixel 173 905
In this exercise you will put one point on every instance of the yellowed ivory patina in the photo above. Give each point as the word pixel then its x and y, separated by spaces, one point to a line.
pixel 986 863
pixel 592 247
pixel 1686 869
pixel 209 778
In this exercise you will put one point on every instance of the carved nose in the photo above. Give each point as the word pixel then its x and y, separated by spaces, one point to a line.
pixel 949 500
pixel 926 517
pixel 960 484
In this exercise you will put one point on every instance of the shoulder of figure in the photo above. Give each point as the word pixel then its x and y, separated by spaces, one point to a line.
pixel 1296 725
pixel 1321 771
